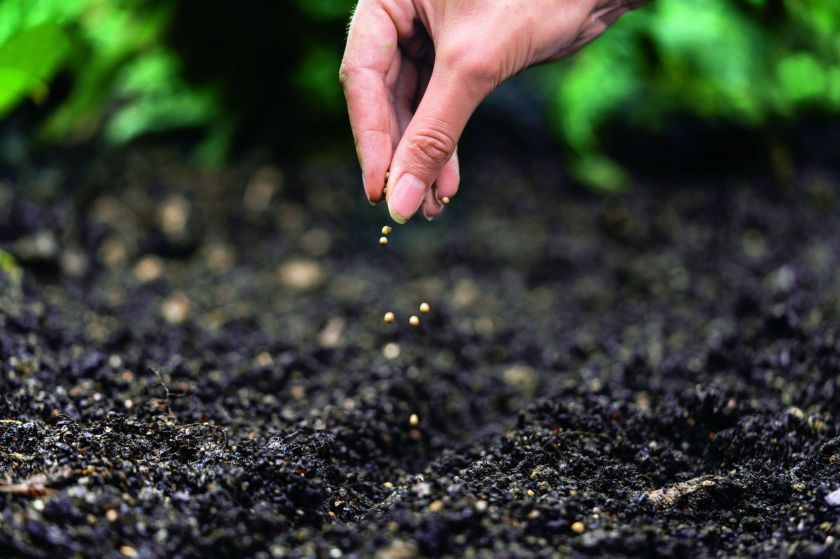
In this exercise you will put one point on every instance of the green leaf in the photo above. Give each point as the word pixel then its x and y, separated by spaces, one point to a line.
pixel 28 61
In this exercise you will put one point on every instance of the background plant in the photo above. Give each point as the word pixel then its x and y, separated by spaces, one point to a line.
pixel 265 72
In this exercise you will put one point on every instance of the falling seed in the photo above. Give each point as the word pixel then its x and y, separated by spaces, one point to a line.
pixel 386 229
pixel 383 241
pixel 445 199
pixel 413 420
pixel 425 308
pixel 389 317
pixel 578 527
pixel 414 321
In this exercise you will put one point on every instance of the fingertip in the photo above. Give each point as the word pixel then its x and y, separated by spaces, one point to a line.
pixel 407 195
pixel 432 207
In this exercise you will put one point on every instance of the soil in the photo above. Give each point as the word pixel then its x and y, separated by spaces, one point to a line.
pixel 194 364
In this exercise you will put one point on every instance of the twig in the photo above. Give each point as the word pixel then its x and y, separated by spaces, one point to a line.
pixel 165 390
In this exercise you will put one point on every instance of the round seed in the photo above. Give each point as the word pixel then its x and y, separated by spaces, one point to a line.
pixel 389 317
pixel 383 241
pixel 386 230
pixel 413 420
pixel 425 308
pixel 414 321
pixel 578 527
pixel 445 199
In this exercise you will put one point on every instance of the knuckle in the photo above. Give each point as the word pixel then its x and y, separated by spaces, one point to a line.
pixel 475 64
pixel 344 72
pixel 433 146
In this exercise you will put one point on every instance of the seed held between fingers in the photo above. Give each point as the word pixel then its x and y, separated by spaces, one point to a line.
pixel 445 200
pixel 389 318
pixel 383 241
pixel 414 321
pixel 425 308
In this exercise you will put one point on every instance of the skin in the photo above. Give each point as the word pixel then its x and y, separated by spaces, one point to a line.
pixel 414 72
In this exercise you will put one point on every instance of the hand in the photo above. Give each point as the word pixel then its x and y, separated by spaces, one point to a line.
pixel 415 70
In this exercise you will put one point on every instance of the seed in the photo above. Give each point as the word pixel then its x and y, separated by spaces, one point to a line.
pixel 389 317
pixel 436 506
pixel 383 241
pixel 425 308
pixel 445 199
pixel 578 527
pixel 386 229
pixel 414 321
pixel 413 420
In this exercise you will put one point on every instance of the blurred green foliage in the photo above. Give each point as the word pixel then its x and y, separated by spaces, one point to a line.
pixel 747 61
pixel 260 68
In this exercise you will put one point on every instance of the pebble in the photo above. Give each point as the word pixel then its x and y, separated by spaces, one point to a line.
pixel 148 269
pixel 300 274
pixel 174 215
pixel 177 308
pixel 397 549
pixel 523 378
pixel 391 350
pixel 833 498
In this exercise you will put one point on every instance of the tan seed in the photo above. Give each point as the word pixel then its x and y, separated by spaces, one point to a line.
pixel 386 229
pixel 389 318
pixel 414 321
pixel 383 241
pixel 425 308
pixel 578 527
pixel 413 420
pixel 128 551
pixel 445 199
pixel 435 506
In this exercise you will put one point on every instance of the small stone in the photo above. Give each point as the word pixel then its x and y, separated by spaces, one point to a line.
pixel 300 274
pixel 523 378
pixel 332 334
pixel 425 308
pixel 481 506
pixel 397 549
pixel 578 527
pixel 833 498
pixel 413 420
pixel 148 269
pixel 391 350
pixel 176 308
pixel 174 215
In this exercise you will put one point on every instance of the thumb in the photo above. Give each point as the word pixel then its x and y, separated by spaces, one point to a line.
pixel 430 139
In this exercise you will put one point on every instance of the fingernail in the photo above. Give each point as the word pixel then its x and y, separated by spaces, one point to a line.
pixel 406 197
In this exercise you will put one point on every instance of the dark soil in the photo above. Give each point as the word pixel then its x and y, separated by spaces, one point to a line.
pixel 194 364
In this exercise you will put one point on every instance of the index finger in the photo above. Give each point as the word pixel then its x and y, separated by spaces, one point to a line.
pixel 370 52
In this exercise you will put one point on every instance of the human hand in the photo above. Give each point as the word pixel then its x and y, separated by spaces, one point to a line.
pixel 415 70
